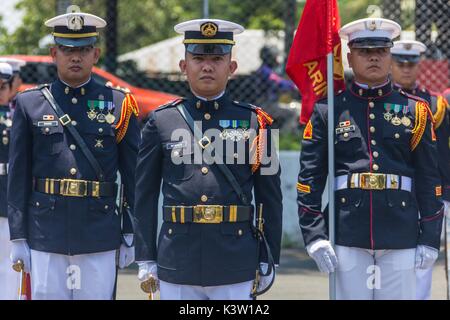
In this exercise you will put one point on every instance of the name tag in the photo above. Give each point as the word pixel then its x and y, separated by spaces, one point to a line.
pixel 345 129
pixel 175 145
pixel 43 124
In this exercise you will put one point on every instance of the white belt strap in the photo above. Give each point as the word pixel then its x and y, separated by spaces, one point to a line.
pixel 342 182
pixel 3 169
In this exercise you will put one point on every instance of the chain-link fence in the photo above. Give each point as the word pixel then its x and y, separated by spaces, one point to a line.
pixel 140 46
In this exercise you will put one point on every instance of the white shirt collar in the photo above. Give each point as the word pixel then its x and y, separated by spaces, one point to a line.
pixel 79 85
pixel 365 86
pixel 215 98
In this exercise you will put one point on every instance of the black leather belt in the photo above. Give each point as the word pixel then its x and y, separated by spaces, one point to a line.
pixel 207 214
pixel 76 188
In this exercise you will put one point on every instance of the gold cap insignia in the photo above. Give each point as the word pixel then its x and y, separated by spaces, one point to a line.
pixel 407 46
pixel 372 25
pixel 209 29
pixel 75 23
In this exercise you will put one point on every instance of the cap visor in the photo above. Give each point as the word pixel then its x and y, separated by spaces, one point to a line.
pixel 405 58
pixel 80 42
pixel 371 43
pixel 211 49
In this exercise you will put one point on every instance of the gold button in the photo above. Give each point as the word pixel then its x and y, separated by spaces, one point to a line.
pixel 5 132
pixel 375 154
pixel 372 116
pixel 372 129
pixel 375 167
pixel 240 232
pixel 343 200
pixel 169 231
pixel 397 136
pixel 207 116
pixel 100 130
pixel 346 135
pixel 73 147
pixel 403 204
pixel 37 204
pixel 374 143
pixel 47 130
pixel 205 170
pixel 73 171
pixel 74 123
pixel 204 198
pixel 106 207
pixel 176 153
pixel 74 100
pixel 371 104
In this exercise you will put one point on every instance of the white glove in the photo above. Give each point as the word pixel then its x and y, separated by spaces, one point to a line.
pixel 126 254
pixel 425 256
pixel 21 251
pixel 264 281
pixel 447 209
pixel 322 252
pixel 147 270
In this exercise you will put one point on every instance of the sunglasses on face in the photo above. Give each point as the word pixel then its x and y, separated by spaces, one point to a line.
pixel 83 51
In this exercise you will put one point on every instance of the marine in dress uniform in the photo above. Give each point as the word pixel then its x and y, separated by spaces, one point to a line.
pixel 386 172
pixel 16 81
pixel 405 67
pixel 60 204
pixel 207 248
pixel 8 277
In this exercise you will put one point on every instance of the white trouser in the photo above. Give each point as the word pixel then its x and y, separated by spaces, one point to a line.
pixel 423 283
pixel 81 277
pixel 424 278
pixel 9 279
pixel 236 291
pixel 364 274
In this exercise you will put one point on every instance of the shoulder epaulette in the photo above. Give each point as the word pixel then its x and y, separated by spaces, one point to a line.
pixel 411 96
pixel 36 88
pixel 246 105
pixel 117 88
pixel 170 104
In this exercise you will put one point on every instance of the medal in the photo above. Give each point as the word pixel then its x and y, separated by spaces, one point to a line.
pixel 406 121
pixel 5 140
pixel 101 118
pixel 223 135
pixel 396 121
pixel 8 123
pixel 387 115
pixel 110 118
pixel 92 114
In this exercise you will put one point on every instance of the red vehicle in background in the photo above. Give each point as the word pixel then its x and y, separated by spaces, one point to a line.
pixel 41 69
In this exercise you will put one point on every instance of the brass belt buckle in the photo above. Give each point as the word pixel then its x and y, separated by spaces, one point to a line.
pixel 372 181
pixel 208 214
pixel 73 188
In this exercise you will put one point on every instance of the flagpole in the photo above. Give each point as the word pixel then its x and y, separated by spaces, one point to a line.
pixel 331 216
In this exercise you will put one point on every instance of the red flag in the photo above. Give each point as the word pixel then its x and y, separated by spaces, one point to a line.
pixel 317 35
